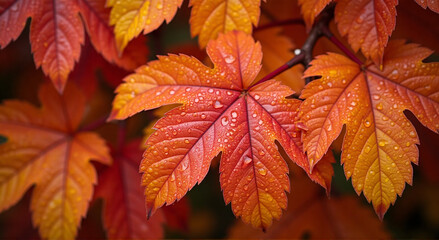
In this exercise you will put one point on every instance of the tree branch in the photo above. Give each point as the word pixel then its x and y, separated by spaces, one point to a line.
pixel 305 55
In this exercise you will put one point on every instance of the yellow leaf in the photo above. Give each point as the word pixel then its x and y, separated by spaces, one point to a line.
pixel 131 17
pixel 208 18
pixel 43 148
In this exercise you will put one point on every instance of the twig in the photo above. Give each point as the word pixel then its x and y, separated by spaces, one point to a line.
pixel 305 55
pixel 340 45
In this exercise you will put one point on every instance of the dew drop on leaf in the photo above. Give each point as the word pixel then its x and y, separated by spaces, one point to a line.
pixel 366 123
pixel 262 171
pixel 224 121
pixel 229 59
pixel 247 161
pixel 218 104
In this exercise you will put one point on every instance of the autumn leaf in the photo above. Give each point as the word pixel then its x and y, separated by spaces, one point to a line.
pixel 380 142
pixel 45 149
pixel 13 16
pixel 209 18
pixel 56 38
pixel 367 24
pixel 432 4
pixel 310 9
pixel 58 33
pixel 312 215
pixel 220 113
pixel 96 19
pixel 277 50
pixel 131 17
pixel 124 210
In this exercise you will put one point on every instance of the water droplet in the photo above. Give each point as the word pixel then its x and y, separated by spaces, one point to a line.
pixel 376 97
pixel 382 143
pixel 150 170
pixel 184 165
pixel 186 141
pixel 203 116
pixel 188 89
pixel 172 92
pixel 412 134
pixel 408 144
pixel 254 115
pixel 380 106
pixel 155 152
pixel 329 128
pixel 393 165
pixel 224 121
pixel 367 149
pixel 262 153
pixel 257 97
pixel 247 161
pixel 372 172
pixel 172 177
pixel 234 114
pixel 385 118
pixel 210 90
pixel 366 123
pixel 229 59
pixel 218 104
pixel 395 105
pixel 159 6
pixel 262 171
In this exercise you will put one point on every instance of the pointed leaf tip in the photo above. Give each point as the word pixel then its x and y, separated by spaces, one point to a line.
pixel 381 211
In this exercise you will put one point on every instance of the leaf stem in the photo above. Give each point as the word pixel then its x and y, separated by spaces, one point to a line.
pixel 341 46
pixel 281 23
pixel 292 62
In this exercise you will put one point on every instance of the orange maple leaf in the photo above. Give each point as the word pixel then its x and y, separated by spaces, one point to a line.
pixel 57 33
pixel 45 149
pixel 221 112
pixel 209 18
pixel 368 25
pixel 124 211
pixel 380 142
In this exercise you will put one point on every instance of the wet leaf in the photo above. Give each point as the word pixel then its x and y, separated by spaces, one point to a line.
pixel 131 17
pixel 432 4
pixel 367 24
pixel 380 142
pixel 209 18
pixel 221 112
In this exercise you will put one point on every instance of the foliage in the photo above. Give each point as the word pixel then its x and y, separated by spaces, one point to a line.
pixel 254 106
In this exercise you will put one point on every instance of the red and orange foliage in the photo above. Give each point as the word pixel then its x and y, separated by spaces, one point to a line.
pixel 224 106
